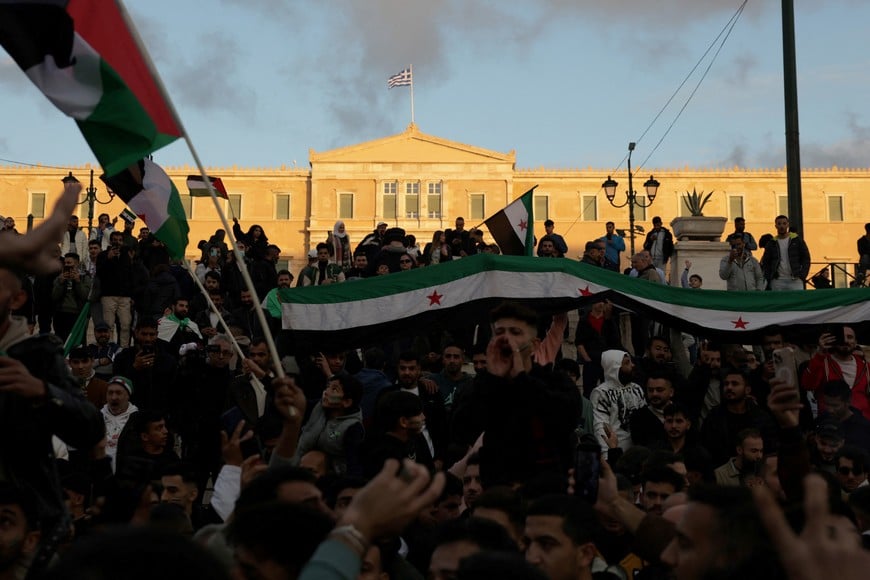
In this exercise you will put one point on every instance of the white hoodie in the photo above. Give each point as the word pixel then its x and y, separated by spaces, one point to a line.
pixel 114 426
pixel 613 403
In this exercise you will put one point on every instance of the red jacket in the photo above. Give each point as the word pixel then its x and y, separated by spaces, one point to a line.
pixel 824 367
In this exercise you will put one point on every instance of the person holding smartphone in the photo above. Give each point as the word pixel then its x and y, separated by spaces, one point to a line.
pixel 69 293
pixel 836 359
pixel 739 269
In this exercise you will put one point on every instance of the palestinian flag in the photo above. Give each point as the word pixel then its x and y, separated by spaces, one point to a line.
pixel 87 61
pixel 152 196
pixel 199 188
pixel 512 227
pixel 462 291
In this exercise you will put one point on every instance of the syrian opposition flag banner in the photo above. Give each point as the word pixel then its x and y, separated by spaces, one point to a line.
pixel 85 59
pixel 199 188
pixel 152 196
pixel 375 309
pixel 512 227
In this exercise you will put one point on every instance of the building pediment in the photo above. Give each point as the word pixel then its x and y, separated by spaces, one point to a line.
pixel 411 146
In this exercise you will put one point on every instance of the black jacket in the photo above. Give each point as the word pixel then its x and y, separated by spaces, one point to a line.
pixel 436 417
pixel 529 423
pixel 798 258
pixel 26 426
pixel 667 244
pixel 720 429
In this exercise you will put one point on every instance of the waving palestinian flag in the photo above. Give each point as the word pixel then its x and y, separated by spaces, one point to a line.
pixel 152 196
pixel 410 303
pixel 86 60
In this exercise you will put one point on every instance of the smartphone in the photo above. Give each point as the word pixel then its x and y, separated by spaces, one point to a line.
pixel 587 470
pixel 229 421
pixel 147 349
pixel 786 367
pixel 840 335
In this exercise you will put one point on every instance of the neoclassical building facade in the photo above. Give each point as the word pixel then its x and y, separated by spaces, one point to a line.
pixel 421 183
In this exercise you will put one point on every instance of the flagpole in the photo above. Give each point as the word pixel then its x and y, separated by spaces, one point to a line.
pixel 267 333
pixel 411 68
pixel 214 309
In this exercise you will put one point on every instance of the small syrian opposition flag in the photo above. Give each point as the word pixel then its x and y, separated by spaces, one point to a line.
pixel 128 216
pixel 512 227
pixel 383 307
pixel 86 60
pixel 198 187
pixel 152 196
pixel 401 79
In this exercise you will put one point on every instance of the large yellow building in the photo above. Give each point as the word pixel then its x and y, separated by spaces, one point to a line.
pixel 422 183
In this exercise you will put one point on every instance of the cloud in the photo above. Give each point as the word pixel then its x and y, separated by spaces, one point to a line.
pixel 205 80
pixel 376 38
pixel 735 158
pixel 741 69
pixel 852 151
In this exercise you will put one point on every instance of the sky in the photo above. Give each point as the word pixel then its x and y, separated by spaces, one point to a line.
pixel 565 83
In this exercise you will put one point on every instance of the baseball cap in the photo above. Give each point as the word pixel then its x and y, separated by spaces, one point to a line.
pixel 830 431
pixel 312 254
pixel 123 381
pixel 101 326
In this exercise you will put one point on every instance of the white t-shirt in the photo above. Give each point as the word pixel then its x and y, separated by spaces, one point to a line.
pixel 849 368
pixel 784 268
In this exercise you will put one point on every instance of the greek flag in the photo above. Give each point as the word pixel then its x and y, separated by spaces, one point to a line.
pixel 402 79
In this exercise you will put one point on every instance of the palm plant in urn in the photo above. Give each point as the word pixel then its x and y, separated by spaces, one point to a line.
pixel 695 202
pixel 696 226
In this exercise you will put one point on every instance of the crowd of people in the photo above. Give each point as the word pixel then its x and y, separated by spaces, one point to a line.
pixel 173 444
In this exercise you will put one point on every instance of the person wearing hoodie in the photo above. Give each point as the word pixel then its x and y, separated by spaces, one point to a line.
pixel 335 427
pixel 786 259
pixel 116 412
pixel 616 399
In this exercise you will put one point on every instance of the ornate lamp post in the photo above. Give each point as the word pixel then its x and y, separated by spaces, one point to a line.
pixel 610 186
pixel 90 198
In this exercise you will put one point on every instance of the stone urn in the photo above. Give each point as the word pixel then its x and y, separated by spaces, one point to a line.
pixel 698 228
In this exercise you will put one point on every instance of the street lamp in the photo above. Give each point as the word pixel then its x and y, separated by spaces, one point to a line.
pixel 90 197
pixel 651 186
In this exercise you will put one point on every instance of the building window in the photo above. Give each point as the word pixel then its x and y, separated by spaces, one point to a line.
pixel 782 204
pixel 412 199
pixel 282 265
pixel 735 206
pixel 235 202
pixel 433 200
pixel 542 208
pixel 345 206
pixel 589 208
pixel 187 204
pixel 478 206
pixel 390 200
pixel 835 208
pixel 684 210
pixel 282 206
pixel 639 211
pixel 37 205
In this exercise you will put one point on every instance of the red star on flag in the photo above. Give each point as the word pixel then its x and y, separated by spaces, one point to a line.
pixel 585 291
pixel 141 216
pixel 523 225
pixel 739 323
pixel 435 298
